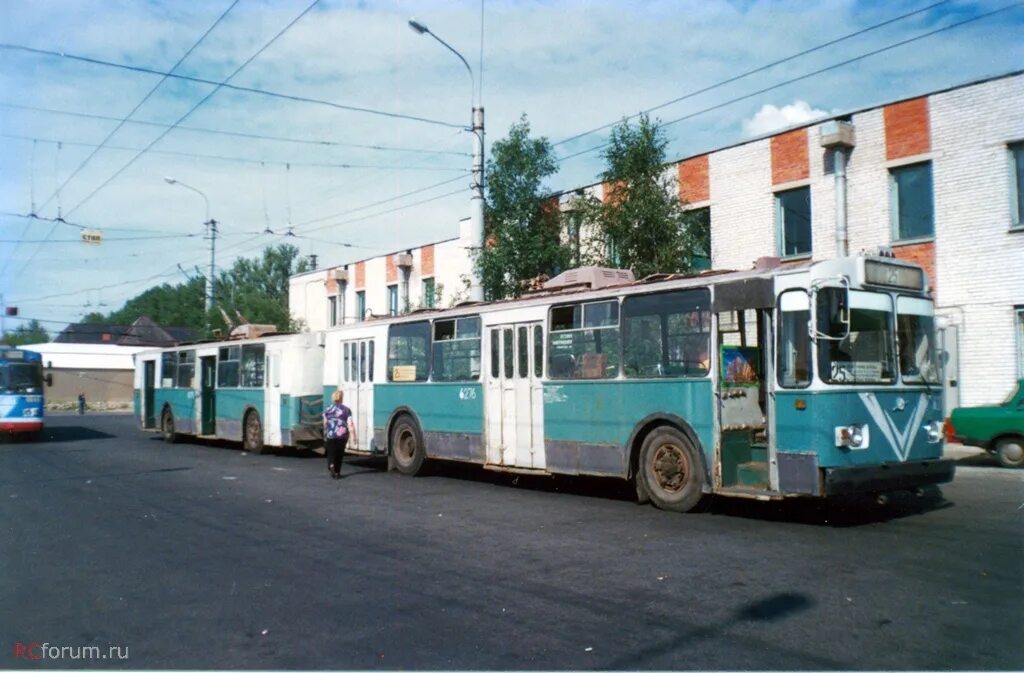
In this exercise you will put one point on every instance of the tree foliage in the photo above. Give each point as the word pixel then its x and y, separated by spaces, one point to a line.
pixel 256 289
pixel 522 232
pixel 642 225
pixel 31 332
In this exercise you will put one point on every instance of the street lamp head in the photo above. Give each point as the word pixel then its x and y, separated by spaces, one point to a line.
pixel 169 180
pixel 418 27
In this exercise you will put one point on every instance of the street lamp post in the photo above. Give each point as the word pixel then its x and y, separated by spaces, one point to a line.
pixel 476 199
pixel 211 230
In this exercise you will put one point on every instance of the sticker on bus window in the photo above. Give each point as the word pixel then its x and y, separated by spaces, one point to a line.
pixel 403 373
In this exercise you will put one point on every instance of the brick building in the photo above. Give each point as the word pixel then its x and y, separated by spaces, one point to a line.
pixel 938 177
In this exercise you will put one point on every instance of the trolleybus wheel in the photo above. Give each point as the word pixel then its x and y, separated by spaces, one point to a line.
pixel 1010 451
pixel 671 470
pixel 252 433
pixel 167 427
pixel 407 449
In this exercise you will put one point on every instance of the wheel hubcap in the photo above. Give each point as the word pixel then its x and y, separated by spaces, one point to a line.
pixel 1014 452
pixel 670 467
pixel 406 445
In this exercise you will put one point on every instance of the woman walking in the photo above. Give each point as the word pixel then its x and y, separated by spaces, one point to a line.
pixel 338 428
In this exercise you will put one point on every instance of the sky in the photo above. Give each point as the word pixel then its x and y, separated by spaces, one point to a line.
pixel 394 172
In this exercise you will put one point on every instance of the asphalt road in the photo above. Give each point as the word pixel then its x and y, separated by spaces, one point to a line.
pixel 202 556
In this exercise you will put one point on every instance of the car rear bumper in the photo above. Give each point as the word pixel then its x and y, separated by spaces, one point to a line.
pixel 881 478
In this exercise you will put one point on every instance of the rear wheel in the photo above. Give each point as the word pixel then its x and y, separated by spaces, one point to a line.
pixel 252 433
pixel 167 427
pixel 407 449
pixel 1010 451
pixel 671 470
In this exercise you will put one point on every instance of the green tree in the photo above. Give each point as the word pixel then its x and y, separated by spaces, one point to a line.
pixel 30 333
pixel 178 305
pixel 522 231
pixel 642 224
pixel 257 289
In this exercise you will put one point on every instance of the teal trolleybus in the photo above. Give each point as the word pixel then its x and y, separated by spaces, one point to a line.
pixel 263 392
pixel 813 380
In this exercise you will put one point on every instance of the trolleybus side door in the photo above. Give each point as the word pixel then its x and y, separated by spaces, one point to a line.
pixel 275 404
pixel 514 396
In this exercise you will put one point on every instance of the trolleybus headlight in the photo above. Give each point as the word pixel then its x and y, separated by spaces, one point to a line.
pixel 934 431
pixel 854 436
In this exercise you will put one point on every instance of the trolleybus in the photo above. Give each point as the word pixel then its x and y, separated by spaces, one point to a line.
pixel 21 392
pixel 812 379
pixel 263 392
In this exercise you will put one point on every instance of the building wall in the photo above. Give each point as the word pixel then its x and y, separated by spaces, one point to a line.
pixel 106 386
pixel 975 263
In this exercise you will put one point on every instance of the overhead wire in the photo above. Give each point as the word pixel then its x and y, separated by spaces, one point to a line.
pixel 232 87
pixel 238 134
pixel 845 62
pixel 762 68
pixel 222 157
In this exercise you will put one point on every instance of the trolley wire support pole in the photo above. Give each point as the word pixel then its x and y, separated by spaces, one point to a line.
pixel 211 228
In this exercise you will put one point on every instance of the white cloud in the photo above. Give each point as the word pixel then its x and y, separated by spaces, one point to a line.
pixel 771 118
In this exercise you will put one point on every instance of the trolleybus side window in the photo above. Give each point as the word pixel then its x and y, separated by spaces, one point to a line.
pixel 168 369
pixel 495 361
pixel 252 366
pixel 538 351
pixel 186 368
pixel 866 354
pixel 346 360
pixel 794 356
pixel 409 352
pixel 228 358
pixel 456 350
pixel 523 353
pixel 666 334
pixel 362 361
pixel 370 366
pixel 583 341
pixel 507 352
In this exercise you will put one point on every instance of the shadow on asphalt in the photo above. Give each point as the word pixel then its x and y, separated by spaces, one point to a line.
pixel 59 434
pixel 228 445
pixel 847 511
pixel 985 459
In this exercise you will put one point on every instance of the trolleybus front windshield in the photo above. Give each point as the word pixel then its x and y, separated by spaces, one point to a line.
pixel 915 333
pixel 21 377
pixel 866 355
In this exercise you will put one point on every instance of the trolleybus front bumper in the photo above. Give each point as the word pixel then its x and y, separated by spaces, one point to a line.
pixel 881 478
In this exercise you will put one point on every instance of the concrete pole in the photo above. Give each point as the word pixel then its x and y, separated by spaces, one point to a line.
pixel 212 229
pixel 476 202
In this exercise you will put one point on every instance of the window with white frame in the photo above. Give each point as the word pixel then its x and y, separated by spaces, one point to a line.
pixel 1017 173
pixel 429 297
pixel 911 203
pixel 392 300
pixel 793 221
pixel 332 310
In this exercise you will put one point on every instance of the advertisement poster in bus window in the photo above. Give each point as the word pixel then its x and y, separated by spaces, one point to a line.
pixel 739 365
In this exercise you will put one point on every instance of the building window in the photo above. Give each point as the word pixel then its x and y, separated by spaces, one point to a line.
pixel 1017 157
pixel 392 300
pixel 1019 314
pixel 793 221
pixel 332 306
pixel 361 305
pixel 910 194
pixel 428 293
pixel 700 230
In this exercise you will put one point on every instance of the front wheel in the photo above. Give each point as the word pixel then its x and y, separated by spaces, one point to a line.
pixel 167 427
pixel 1010 451
pixel 252 433
pixel 407 449
pixel 671 470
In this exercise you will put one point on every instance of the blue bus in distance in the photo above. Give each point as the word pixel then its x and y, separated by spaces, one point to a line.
pixel 21 393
